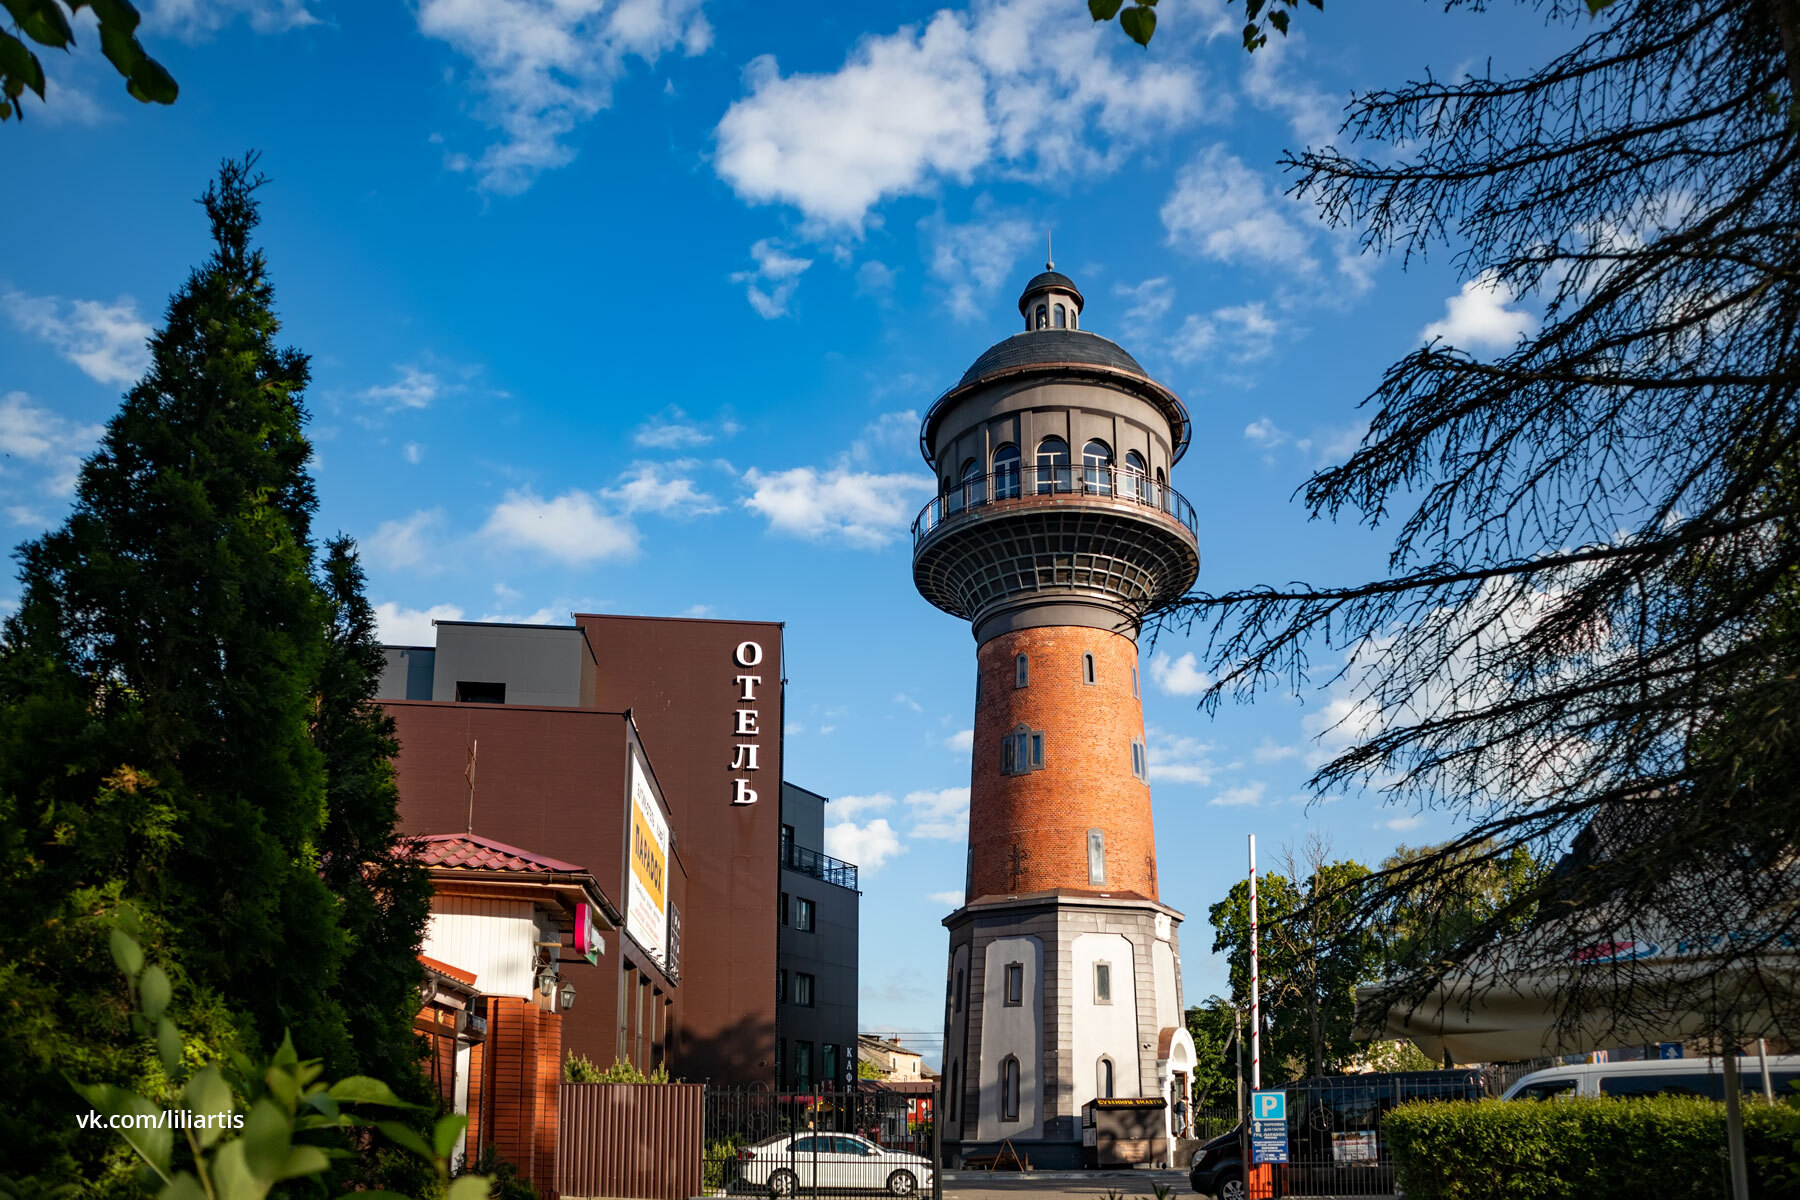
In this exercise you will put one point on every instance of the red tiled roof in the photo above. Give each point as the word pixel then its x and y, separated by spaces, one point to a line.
pixel 448 971
pixel 469 852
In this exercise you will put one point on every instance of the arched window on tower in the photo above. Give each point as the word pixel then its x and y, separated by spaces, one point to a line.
pixel 1043 317
pixel 974 485
pixel 1088 674
pixel 1053 466
pixel 1140 476
pixel 1096 856
pixel 1021 671
pixel 1006 472
pixel 1096 467
pixel 1162 490
pixel 1009 1088
pixel 1061 317
pixel 1103 1085
pixel 1074 320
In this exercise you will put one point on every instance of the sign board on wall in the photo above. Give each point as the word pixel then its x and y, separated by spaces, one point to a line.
pixel 1268 1127
pixel 647 879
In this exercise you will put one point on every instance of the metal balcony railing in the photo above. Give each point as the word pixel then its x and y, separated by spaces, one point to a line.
pixel 818 865
pixel 1117 484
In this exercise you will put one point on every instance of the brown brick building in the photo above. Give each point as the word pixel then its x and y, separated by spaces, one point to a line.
pixel 1054 532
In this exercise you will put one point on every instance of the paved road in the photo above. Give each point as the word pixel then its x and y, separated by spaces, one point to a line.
pixel 1079 1185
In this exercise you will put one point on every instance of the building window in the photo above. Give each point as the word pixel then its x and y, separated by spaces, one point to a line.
pixel 1043 317
pixel 787 844
pixel 1022 751
pixel 781 986
pixel 783 909
pixel 1015 984
pixel 1009 1089
pixel 803 1076
pixel 805 914
pixel 957 995
pixel 1006 472
pixel 1104 1084
pixel 1140 759
pixel 1096 467
pixel 1087 669
pixel 974 484
pixel 1096 856
pixel 1140 475
pixel 803 989
pixel 1052 466
pixel 1102 983
pixel 1021 671
pixel 829 1064
pixel 1134 685
pixel 468 692
pixel 1061 317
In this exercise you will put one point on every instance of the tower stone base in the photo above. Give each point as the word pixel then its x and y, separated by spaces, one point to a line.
pixel 1052 998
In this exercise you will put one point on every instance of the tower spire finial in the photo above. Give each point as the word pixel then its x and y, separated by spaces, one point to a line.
pixel 1049 251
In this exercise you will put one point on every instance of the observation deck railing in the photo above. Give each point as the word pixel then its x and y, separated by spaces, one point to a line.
pixel 819 865
pixel 1120 485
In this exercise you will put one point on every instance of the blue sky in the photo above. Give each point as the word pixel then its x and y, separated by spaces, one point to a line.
pixel 609 301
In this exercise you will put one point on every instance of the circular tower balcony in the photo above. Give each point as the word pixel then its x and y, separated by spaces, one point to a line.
pixel 1064 539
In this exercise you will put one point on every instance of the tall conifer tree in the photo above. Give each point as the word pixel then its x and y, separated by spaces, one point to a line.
pixel 185 723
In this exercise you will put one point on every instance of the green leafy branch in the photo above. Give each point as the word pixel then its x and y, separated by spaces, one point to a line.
pixel 245 1128
pixel 1139 20
pixel 48 23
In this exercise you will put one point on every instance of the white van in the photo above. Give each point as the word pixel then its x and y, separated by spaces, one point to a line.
pixel 1656 1077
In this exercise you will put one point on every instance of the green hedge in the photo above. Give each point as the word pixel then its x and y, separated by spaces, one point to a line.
pixel 1668 1148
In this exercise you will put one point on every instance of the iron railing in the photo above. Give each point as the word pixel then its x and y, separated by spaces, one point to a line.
pixel 818 865
pixel 856 1142
pixel 1118 484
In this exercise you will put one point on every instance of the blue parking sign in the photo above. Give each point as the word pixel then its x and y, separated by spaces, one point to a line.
pixel 1268 1106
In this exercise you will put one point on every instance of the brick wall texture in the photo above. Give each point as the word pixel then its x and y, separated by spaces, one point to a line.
pixel 1086 781
pixel 522 1073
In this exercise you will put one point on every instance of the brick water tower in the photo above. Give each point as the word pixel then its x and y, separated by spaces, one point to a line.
pixel 1054 532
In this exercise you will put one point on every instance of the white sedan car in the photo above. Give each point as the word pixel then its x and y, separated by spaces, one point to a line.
pixel 804 1162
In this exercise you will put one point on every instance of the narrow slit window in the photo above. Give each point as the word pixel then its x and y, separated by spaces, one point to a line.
pixel 1088 674
pixel 1009 1089
pixel 1015 984
pixel 1021 671
pixel 1096 847
pixel 1102 983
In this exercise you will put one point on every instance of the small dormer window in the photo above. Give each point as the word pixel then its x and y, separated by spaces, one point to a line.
pixel 1043 317
pixel 1074 319
pixel 1061 317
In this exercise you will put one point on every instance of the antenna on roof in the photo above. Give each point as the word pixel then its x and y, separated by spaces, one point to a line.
pixel 1049 251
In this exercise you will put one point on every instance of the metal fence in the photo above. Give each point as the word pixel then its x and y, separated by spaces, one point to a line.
pixel 1205 1124
pixel 629 1139
pixel 1336 1136
pixel 856 1142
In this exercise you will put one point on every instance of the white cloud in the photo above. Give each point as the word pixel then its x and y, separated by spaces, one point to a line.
pixel 1248 795
pixel 664 489
pixel 1223 210
pixel 1313 115
pixel 19 514
pixel 1178 759
pixel 874 279
pixel 411 626
pixel 1242 333
pixel 908 701
pixel 868 846
pixel 46 440
pixel 697 610
pixel 953 899
pixel 1271 751
pixel 939 813
pixel 1178 676
pixel 571 527
pixel 848 808
pixel 864 509
pixel 413 389
pixel 1265 432
pixel 1036 89
pixel 410 542
pixel 887 434
pixel 973 260
pixel 1402 824
pixel 540 68
pixel 1147 301
pixel 961 742
pixel 105 340
pixel 1477 318
pixel 414 452
pixel 771 285
pixel 672 430
pixel 192 20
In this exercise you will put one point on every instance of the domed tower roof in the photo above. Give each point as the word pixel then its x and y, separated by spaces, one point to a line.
pixel 1047 280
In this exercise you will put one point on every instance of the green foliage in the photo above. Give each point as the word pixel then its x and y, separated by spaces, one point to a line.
pixel 185 720
pixel 719 1168
pixel 865 1069
pixel 1311 961
pixel 48 23
pixel 1668 1147
pixel 249 1126
pixel 579 1068
pixel 1484 886
pixel 1215 1056
pixel 1260 16
pixel 504 1180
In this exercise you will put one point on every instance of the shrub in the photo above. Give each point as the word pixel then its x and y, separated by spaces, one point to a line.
pixel 1672 1148
pixel 579 1068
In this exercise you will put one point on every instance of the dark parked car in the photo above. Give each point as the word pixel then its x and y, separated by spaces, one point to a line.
pixel 1335 1143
